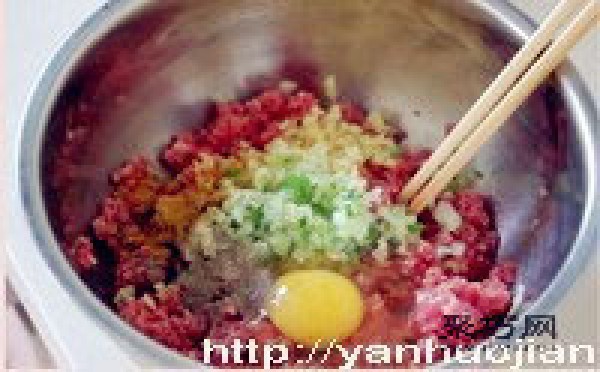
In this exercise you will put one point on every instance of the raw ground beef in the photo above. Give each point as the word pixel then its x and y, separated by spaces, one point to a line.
pixel 255 122
pixel 163 317
pixel 139 226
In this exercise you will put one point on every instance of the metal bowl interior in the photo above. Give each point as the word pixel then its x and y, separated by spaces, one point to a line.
pixel 143 73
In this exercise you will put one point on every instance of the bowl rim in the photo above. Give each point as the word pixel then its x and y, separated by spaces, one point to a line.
pixel 32 219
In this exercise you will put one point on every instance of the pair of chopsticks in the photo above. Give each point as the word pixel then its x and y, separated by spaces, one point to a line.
pixel 528 69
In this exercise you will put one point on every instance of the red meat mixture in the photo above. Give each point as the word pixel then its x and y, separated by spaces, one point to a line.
pixel 140 226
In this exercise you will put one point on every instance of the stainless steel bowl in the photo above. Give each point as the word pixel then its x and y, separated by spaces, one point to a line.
pixel 144 70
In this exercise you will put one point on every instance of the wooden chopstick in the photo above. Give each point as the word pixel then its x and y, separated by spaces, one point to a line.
pixel 517 66
pixel 546 63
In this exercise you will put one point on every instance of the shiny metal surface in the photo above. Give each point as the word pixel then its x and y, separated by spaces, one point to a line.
pixel 423 62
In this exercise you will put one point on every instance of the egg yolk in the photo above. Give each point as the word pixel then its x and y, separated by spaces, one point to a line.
pixel 311 306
